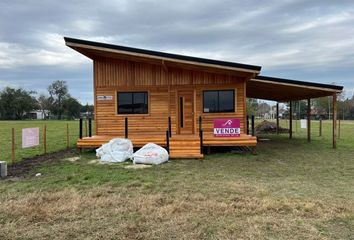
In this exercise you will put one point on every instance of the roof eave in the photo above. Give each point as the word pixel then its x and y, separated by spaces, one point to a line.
pixel 75 43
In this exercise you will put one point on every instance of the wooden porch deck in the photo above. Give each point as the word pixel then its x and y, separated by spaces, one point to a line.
pixel 181 146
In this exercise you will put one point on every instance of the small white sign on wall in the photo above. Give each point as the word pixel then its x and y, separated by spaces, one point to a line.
pixel 104 98
pixel 30 137
pixel 303 123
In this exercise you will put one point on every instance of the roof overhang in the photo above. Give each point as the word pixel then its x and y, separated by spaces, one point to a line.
pixel 96 49
pixel 282 90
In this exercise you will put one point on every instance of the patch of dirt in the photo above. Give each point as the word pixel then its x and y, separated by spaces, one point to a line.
pixel 22 168
pixel 269 127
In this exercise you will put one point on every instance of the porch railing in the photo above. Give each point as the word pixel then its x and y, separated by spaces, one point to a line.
pixel 201 135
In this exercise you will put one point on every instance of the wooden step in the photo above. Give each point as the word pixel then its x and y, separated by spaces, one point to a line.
pixel 185 146
pixel 186 156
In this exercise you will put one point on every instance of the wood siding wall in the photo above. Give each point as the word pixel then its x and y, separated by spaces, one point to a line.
pixel 163 84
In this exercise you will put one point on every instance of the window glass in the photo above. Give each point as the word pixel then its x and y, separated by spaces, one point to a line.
pixel 219 101
pixel 226 101
pixel 124 103
pixel 132 102
pixel 210 101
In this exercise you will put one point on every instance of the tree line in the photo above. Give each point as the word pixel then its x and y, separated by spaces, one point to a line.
pixel 321 108
pixel 18 103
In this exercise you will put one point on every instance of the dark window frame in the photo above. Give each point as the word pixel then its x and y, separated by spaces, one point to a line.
pixel 218 101
pixel 146 97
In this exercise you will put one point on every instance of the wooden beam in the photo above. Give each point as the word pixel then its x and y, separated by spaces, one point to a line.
pixel 309 120
pixel 277 117
pixel 291 120
pixel 334 121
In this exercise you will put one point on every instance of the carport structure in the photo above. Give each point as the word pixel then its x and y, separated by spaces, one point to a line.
pixel 287 90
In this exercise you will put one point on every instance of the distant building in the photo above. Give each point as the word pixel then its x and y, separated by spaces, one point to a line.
pixel 37 114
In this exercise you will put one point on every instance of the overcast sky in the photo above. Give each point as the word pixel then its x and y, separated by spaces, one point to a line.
pixel 305 40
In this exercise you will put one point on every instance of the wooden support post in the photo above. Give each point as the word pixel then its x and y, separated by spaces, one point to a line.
pixel 334 121
pixel 320 127
pixel 45 138
pixel 309 120
pixel 338 128
pixel 277 117
pixel 248 125
pixel 13 148
pixel 67 136
pixel 291 120
pixel 252 125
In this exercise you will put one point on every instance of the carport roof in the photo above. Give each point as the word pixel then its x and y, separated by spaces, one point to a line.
pixel 282 90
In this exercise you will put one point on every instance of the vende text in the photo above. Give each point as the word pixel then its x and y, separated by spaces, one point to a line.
pixel 223 131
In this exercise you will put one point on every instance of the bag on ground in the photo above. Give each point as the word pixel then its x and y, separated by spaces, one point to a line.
pixel 150 154
pixel 116 150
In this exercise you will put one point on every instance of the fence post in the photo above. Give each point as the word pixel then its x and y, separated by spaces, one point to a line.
pixel 80 128
pixel 90 127
pixel 252 123
pixel 67 136
pixel 167 142
pixel 45 138
pixel 126 127
pixel 13 156
pixel 248 125
pixel 320 127
pixel 169 126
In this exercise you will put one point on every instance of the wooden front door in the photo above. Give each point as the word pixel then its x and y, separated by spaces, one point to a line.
pixel 185 118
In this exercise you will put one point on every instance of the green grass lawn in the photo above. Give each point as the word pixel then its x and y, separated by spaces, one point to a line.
pixel 290 190
pixel 56 137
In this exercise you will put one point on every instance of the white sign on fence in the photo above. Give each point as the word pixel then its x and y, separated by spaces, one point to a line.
pixel 30 137
pixel 303 123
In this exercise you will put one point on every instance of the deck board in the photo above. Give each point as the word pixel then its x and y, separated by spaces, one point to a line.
pixel 141 140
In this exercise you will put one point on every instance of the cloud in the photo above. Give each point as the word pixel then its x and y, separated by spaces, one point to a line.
pixel 306 40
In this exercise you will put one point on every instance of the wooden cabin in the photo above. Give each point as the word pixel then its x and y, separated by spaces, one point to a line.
pixel 180 102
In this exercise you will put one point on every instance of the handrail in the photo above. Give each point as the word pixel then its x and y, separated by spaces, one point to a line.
pixel 201 135
pixel 126 127
pixel 248 124
pixel 168 141
pixel 169 127
pixel 90 127
pixel 80 128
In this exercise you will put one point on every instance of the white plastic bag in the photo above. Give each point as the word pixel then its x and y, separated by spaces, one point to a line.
pixel 150 154
pixel 116 150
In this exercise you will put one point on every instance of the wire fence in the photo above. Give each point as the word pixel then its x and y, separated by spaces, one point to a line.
pixel 53 136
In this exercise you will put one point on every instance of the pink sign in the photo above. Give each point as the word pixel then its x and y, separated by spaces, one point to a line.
pixel 227 127
pixel 30 137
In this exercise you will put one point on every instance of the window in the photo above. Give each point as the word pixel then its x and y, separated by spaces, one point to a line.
pixel 132 102
pixel 218 101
